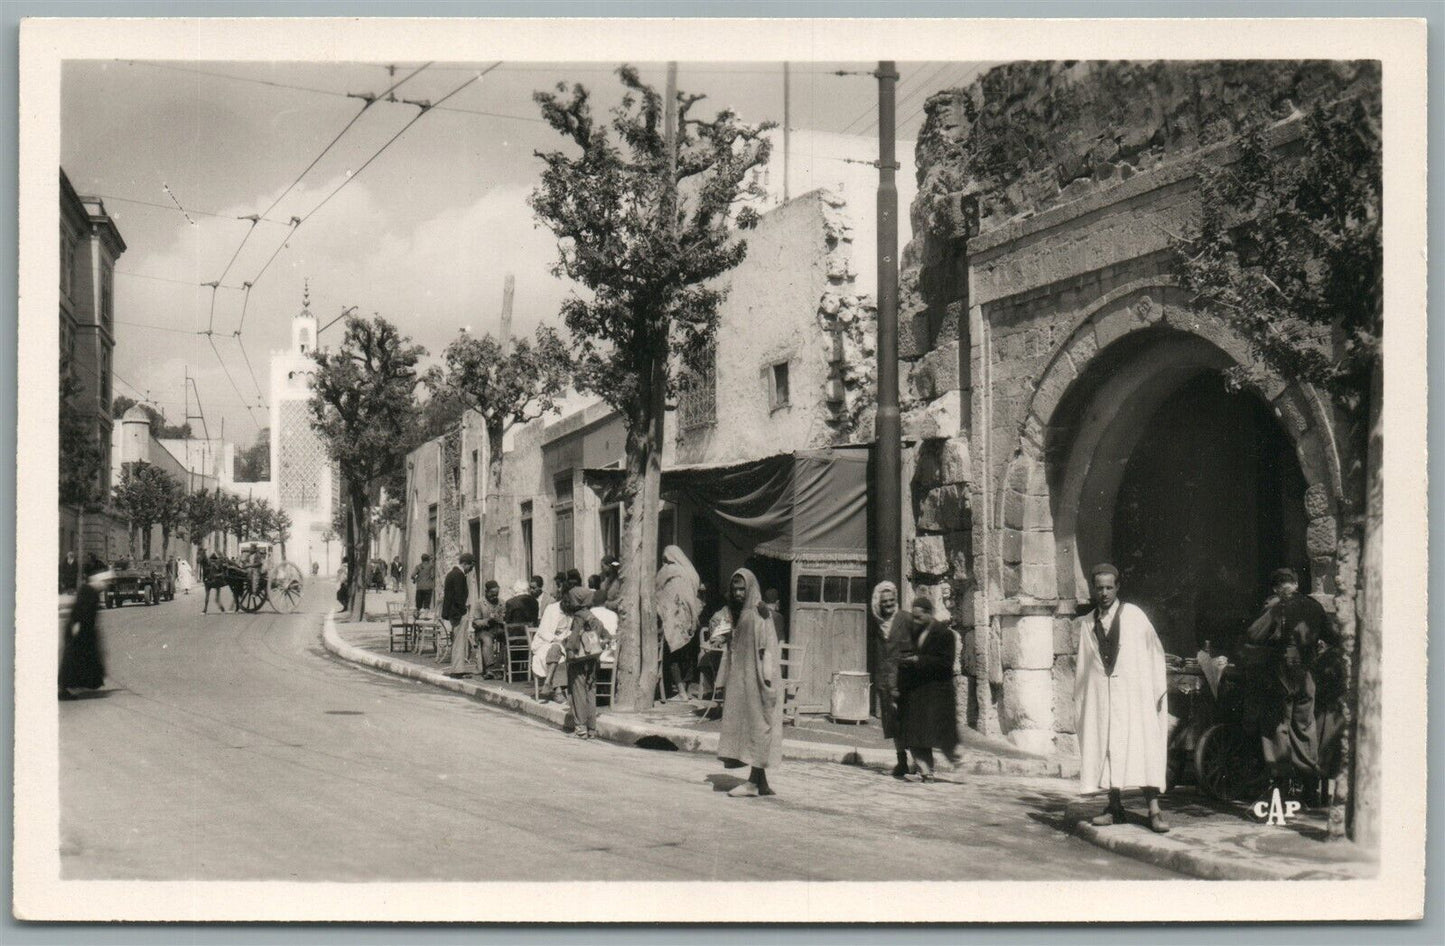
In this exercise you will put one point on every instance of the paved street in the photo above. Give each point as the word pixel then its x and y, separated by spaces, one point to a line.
pixel 232 747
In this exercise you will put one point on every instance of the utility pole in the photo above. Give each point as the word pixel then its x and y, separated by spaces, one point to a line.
pixel 509 288
pixel 888 450
pixel 787 106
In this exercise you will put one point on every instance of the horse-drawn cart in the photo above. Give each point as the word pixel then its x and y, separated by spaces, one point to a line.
pixel 278 584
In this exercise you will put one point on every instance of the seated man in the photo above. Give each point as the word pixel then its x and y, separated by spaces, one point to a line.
pixel 490 630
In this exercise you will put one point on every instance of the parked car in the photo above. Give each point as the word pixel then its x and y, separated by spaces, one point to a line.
pixel 142 581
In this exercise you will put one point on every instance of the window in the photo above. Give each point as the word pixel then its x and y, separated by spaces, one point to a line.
pixel 431 530
pixel 810 588
pixel 563 534
pixel 104 392
pixel 106 296
pixel 697 401
pixel 609 521
pixel 476 464
pixel 858 590
pixel 67 261
pixel 305 339
pixel 835 589
pixel 778 385
pixel 527 538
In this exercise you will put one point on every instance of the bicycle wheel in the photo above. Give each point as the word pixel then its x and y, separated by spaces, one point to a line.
pixel 1228 764
pixel 286 587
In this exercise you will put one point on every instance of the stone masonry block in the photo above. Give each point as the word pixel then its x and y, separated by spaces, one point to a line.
pixel 959 547
pixel 1037 581
pixel 1051 389
pixel 1063 671
pixel 929 555
pixel 947 414
pixel 945 509
pixel 1111 326
pixel 1028 700
pixel 1321 536
pixel 955 461
pixel 1083 346
pixel 1066 636
pixel 1028 642
pixel 1038 548
pixel 1037 741
pixel 1317 502
pixel 928 469
pixel 1010 576
pixel 993 655
pixel 919 425
pixel 1037 514
pixel 941 367
pixel 1011 545
pixel 1013 508
pixel 1066 745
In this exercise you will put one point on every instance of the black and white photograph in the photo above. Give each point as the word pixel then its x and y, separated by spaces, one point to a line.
pixel 802 461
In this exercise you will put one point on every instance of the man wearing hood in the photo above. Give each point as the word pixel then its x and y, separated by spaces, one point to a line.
pixel 751 673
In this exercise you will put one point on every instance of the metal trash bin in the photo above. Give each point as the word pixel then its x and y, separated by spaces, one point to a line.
pixel 851 689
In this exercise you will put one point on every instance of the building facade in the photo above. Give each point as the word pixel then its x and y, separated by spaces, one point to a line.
pixel 303 479
pixel 90 243
pixel 1068 400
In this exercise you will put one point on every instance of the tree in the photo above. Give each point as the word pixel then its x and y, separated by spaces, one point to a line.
pixel 645 221
pixel 253 463
pixel 364 407
pixel 281 529
pixel 147 496
pixel 159 428
pixel 1288 251
pixel 200 516
pixel 80 455
pixel 506 384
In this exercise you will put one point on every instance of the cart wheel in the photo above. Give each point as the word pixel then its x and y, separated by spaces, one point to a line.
pixel 1228 764
pixel 251 601
pixel 285 584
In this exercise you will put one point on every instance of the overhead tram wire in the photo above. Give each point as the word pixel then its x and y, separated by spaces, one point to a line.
pixel 366 103
pixel 235 387
pixel 260 395
pixel 424 107
pixel 178 282
pixel 170 209
pixel 923 86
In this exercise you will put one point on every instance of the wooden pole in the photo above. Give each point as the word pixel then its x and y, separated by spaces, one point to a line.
pixel 509 288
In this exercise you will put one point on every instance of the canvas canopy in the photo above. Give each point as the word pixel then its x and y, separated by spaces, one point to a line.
pixel 806 504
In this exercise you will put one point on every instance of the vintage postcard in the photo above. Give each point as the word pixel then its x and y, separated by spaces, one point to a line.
pixel 721 471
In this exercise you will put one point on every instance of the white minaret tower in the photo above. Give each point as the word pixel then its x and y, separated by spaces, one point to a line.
pixel 303 325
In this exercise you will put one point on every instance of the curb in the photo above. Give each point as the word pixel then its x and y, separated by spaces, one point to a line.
pixel 1162 851
pixel 616 727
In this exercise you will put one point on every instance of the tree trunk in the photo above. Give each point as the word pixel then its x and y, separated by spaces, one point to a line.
pixel 360 541
pixel 146 530
pixel 492 507
pixel 651 669
pixel 1365 815
pixel 165 541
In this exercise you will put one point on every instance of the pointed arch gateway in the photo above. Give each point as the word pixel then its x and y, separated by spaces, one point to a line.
pixel 1135 451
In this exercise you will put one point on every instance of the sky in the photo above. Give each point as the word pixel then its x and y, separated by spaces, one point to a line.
pixel 424 234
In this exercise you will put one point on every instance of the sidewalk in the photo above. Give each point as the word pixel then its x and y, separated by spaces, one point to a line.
pixel 1218 841
pixel 1208 840
pixel 672 725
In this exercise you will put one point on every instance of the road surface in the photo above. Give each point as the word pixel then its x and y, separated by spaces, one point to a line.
pixel 232 747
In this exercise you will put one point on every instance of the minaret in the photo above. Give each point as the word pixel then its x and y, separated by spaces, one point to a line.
pixel 303 325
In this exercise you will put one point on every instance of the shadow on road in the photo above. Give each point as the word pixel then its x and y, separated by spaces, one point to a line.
pixel 724 783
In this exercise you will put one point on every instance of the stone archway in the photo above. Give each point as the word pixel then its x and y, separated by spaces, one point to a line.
pixel 1124 360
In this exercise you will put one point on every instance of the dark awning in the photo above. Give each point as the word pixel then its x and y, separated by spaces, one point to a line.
pixel 811 503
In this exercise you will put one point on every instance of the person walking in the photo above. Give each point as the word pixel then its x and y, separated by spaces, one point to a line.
pixel 343 575
pixel 82 660
pixel 587 638
pixel 923 650
pixel 424 577
pixel 892 641
pixel 456 605
pixel 213 575
pixel 396 570
pixel 751 674
pixel 184 576
pixel 70 573
pixel 1120 702
pixel 677 613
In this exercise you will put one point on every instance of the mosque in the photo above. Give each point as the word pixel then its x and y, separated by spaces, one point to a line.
pixel 304 480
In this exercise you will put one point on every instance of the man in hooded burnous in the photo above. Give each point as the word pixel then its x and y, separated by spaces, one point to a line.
pixel 1120 702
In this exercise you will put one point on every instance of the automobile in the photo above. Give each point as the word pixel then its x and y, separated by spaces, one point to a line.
pixel 144 581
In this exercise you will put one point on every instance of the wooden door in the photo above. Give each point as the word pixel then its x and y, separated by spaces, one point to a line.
pixel 832 628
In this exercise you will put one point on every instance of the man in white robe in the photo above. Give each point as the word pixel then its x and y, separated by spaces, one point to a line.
pixel 1120 702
